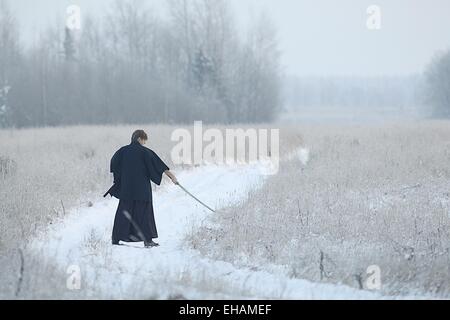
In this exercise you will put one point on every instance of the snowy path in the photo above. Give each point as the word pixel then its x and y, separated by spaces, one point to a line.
pixel 83 239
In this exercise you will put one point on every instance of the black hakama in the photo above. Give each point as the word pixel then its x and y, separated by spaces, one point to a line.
pixel 134 167
pixel 138 226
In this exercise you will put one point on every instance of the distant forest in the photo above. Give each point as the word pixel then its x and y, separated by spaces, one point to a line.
pixel 400 92
pixel 429 91
pixel 134 66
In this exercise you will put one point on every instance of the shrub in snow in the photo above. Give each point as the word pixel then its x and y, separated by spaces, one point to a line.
pixel 8 166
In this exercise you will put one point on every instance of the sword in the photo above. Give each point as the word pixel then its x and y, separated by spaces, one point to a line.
pixel 195 198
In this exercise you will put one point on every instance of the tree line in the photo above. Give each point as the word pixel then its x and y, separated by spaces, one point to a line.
pixel 135 66
pixel 428 91
pixel 438 84
pixel 400 92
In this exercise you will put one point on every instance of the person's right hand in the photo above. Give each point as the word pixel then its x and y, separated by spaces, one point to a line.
pixel 172 177
pixel 174 180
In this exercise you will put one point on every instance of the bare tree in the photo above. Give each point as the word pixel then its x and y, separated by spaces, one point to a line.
pixel 259 73
pixel 438 84
pixel 134 66
pixel 9 61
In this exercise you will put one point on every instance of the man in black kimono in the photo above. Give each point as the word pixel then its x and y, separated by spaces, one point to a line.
pixel 133 167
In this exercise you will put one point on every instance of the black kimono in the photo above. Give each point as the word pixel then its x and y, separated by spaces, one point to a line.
pixel 134 166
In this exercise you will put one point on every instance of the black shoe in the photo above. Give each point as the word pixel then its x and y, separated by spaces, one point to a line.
pixel 151 244
pixel 115 243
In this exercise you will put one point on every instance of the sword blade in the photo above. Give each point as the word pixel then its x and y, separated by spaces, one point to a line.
pixel 195 198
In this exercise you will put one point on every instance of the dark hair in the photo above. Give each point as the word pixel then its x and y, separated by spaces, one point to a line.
pixel 139 134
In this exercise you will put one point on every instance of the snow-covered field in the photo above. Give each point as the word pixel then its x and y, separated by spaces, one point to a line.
pixel 368 196
pixel 362 196
pixel 82 240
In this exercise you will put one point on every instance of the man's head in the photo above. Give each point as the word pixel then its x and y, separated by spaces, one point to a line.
pixel 139 136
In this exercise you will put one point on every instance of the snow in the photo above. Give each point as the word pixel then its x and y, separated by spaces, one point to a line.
pixel 301 154
pixel 83 239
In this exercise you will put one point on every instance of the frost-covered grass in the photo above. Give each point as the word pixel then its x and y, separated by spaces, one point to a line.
pixel 373 195
pixel 44 173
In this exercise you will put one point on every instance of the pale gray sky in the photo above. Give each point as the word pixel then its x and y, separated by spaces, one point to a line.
pixel 317 37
